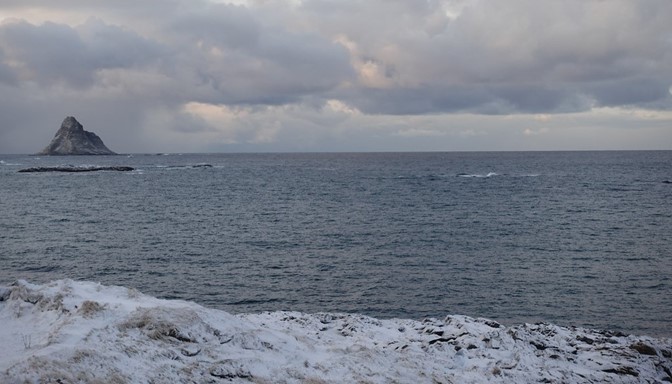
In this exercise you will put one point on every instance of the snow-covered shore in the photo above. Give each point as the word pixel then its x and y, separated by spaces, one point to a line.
pixel 83 332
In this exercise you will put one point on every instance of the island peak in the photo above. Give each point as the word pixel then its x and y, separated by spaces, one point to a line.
pixel 72 139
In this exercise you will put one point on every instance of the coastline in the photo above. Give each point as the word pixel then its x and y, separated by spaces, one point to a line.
pixel 83 331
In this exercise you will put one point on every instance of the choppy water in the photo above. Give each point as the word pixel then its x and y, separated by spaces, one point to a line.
pixel 574 238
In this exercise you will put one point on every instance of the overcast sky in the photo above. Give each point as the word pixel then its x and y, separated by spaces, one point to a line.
pixel 338 75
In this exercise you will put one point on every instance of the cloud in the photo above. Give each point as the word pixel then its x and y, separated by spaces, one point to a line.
pixel 6 72
pixel 539 131
pixel 420 132
pixel 316 69
pixel 513 56
pixel 52 53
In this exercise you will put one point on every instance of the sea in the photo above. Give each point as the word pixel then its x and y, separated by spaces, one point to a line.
pixel 572 238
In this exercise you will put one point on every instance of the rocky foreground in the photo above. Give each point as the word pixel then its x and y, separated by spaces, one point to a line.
pixel 71 332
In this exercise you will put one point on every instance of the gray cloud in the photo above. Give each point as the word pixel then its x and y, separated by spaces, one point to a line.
pixel 6 73
pixel 131 68
pixel 530 56
pixel 47 53
pixel 50 53
pixel 245 61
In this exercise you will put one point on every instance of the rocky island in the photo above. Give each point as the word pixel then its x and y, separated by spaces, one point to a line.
pixel 72 139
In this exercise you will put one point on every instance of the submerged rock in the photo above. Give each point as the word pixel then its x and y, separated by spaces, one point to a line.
pixel 77 169
pixel 72 139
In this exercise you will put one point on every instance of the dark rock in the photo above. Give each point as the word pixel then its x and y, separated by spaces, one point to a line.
pixel 667 371
pixel 644 349
pixel 76 169
pixel 4 293
pixel 175 334
pixel 190 352
pixel 230 370
pixel 623 370
pixel 442 340
pixel 613 333
pixel 72 139
pixel 538 345
pixel 585 339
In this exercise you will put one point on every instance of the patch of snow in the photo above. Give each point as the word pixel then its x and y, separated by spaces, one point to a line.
pixel 71 331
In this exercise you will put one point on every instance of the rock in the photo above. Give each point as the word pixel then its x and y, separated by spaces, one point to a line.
pixel 644 349
pixel 623 370
pixel 76 169
pixel 72 139
pixel 4 293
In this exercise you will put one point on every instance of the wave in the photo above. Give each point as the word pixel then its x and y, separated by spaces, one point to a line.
pixel 477 175
pixel 71 331
pixel 184 166
pixel 430 177
pixel 40 268
pixel 492 174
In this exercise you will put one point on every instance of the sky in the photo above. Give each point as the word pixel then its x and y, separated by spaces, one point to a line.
pixel 338 75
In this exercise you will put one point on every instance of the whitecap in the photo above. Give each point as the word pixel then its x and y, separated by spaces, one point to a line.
pixel 478 175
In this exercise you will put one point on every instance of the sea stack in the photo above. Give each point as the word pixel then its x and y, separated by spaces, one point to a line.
pixel 72 139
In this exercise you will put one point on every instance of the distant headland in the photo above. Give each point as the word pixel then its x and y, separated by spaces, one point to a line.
pixel 72 139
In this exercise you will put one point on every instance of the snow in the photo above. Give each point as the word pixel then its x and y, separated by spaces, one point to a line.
pixel 83 332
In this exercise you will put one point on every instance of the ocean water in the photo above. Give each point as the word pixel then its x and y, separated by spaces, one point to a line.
pixel 573 238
